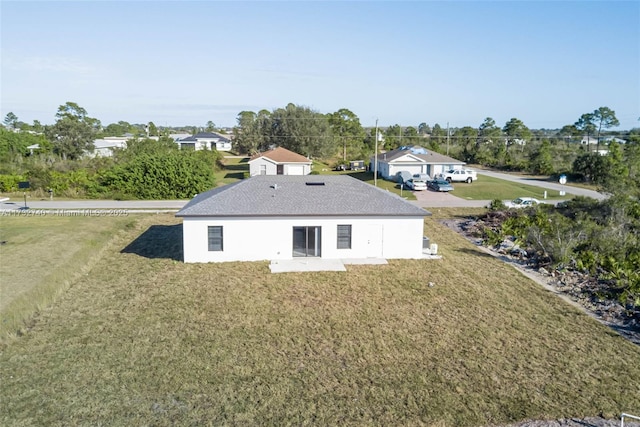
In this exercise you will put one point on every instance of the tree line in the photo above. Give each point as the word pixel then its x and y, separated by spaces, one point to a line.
pixel 145 169
pixel 339 136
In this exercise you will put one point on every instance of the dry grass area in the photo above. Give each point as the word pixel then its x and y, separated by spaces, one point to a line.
pixel 144 339
pixel 42 255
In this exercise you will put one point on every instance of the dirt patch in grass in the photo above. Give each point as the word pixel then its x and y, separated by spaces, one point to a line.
pixel 146 339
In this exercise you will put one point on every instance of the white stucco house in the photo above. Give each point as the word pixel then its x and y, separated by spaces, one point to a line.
pixel 414 159
pixel 106 146
pixel 292 216
pixel 279 161
pixel 205 141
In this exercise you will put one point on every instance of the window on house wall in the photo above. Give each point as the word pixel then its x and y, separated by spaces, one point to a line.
pixel 215 238
pixel 344 237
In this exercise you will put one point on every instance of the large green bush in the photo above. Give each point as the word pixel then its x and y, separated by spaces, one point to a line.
pixel 170 175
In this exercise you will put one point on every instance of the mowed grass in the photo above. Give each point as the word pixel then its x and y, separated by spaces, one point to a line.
pixel 41 256
pixel 144 339
pixel 489 188
pixel 234 169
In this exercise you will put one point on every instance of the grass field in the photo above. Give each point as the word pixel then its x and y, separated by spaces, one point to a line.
pixel 42 256
pixel 234 169
pixel 489 188
pixel 143 339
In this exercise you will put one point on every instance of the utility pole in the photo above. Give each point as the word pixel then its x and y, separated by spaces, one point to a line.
pixel 447 138
pixel 375 159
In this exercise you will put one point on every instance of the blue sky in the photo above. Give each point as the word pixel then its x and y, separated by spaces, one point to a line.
pixel 185 63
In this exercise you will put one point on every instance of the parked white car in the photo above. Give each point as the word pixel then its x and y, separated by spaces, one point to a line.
pixel 416 184
pixel 460 175
pixel 522 202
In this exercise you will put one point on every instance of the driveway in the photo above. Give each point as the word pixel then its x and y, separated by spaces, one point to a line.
pixel 437 199
pixel 434 199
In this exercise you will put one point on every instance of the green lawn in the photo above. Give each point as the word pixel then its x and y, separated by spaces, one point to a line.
pixel 489 188
pixel 144 339
pixel 234 169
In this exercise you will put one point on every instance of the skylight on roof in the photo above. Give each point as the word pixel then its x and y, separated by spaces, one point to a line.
pixel 314 183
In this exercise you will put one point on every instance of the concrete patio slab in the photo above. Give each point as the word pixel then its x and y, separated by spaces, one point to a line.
pixel 365 261
pixel 306 264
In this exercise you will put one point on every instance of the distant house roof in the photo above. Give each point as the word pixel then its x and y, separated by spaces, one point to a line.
pixel 429 156
pixel 188 139
pixel 209 135
pixel 282 155
pixel 110 143
pixel 299 195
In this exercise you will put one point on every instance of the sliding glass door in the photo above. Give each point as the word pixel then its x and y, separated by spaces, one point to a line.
pixel 306 241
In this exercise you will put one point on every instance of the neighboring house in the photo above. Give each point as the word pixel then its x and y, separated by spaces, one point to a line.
pixel 611 139
pixel 205 141
pixel 414 160
pixel 287 217
pixel 104 147
pixel 588 140
pixel 279 161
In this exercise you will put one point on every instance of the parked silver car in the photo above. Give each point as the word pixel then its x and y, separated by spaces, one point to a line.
pixel 416 184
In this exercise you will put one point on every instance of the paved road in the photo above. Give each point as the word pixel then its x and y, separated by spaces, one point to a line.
pixel 128 205
pixel 427 199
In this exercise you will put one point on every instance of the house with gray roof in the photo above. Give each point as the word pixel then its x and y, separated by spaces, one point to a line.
pixel 205 141
pixel 285 217
pixel 414 160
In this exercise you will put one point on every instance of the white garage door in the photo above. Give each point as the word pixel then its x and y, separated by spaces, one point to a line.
pixel 295 170
pixel 410 168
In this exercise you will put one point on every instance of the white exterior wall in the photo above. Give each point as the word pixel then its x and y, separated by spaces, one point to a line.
pixel 272 168
pixel 256 239
pixel 297 169
pixel 255 165
pixel 413 169
pixel 223 145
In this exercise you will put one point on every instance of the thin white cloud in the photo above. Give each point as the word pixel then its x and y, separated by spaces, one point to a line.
pixel 48 64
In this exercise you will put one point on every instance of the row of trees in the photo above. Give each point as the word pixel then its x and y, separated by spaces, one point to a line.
pixel 339 136
pixel 145 169
pixel 74 131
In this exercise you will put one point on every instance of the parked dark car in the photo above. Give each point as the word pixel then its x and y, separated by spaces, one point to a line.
pixel 439 185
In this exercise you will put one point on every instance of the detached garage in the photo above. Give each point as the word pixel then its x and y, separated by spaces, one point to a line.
pixel 279 161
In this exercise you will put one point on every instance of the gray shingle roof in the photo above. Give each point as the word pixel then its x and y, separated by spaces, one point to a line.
pixel 289 195
pixel 431 157
pixel 210 135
